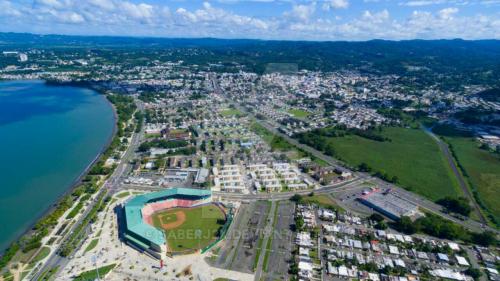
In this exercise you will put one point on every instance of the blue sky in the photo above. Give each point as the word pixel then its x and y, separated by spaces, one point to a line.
pixel 265 19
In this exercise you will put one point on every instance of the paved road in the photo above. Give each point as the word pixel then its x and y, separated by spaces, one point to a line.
pixel 108 187
pixel 409 196
pixel 461 181
pixel 474 262
pixel 113 183
pixel 338 187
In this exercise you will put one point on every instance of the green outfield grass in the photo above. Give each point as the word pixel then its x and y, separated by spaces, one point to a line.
pixel 198 230
pixel 299 113
pixel 482 168
pixel 410 155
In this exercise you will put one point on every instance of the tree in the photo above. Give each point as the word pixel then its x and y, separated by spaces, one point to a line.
pixel 486 238
pixel 294 269
pixel 484 146
pixel 394 179
pixel 315 232
pixel 381 225
pixel 297 198
pixel 406 225
pixel 457 205
pixel 473 272
pixel 363 167
pixel 299 223
pixel 376 217
pixel 370 267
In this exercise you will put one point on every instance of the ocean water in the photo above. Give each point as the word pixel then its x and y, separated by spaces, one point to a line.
pixel 48 136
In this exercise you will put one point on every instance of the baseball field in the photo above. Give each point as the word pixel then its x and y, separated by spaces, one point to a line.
pixel 190 229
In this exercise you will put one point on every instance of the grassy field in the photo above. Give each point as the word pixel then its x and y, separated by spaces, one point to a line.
pixel 198 231
pixel 122 194
pixel 92 245
pixel 280 144
pixel 277 143
pixel 270 240
pixel 92 274
pixel 48 274
pixel 411 155
pixel 152 136
pixel 44 252
pixel 299 113
pixel 482 169
pixel 75 210
pixel 322 200
pixel 231 112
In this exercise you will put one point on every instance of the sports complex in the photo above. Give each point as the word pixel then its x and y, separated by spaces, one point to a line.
pixel 174 221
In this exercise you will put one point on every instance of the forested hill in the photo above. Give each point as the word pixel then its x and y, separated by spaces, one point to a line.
pixel 469 61
pixel 490 95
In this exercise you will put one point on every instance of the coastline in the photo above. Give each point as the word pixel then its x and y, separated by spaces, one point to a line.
pixel 78 180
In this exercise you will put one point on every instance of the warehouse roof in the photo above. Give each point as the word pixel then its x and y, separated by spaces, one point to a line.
pixel 390 203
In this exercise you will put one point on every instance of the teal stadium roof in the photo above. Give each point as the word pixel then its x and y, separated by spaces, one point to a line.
pixel 133 215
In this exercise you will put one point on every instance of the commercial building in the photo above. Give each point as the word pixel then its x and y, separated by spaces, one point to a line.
pixel 389 204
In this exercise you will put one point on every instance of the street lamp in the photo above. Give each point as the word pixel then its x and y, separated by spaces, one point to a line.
pixel 94 260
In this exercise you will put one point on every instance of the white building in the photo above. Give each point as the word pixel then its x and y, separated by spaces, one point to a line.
pixel 229 179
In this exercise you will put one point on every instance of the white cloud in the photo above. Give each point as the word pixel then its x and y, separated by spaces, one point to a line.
pixel 301 12
pixel 186 14
pixel 418 3
pixel 335 4
pixel 447 13
pixel 140 11
pixel 376 17
pixel 103 4
pixel 71 17
pixel 218 19
pixel 7 9
pixel 49 3
pixel 300 21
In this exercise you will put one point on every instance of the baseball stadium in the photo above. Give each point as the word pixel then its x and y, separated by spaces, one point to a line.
pixel 174 221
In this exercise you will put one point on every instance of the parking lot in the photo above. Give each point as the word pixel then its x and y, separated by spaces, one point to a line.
pixel 240 246
pixel 281 247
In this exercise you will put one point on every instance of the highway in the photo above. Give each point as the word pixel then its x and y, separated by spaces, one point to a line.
pixel 421 202
pixel 114 184
pixel 461 181
pixel 339 187
pixel 409 196
pixel 355 184
pixel 110 186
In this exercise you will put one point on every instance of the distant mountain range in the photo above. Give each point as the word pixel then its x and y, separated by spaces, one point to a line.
pixel 7 38
pixel 474 60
